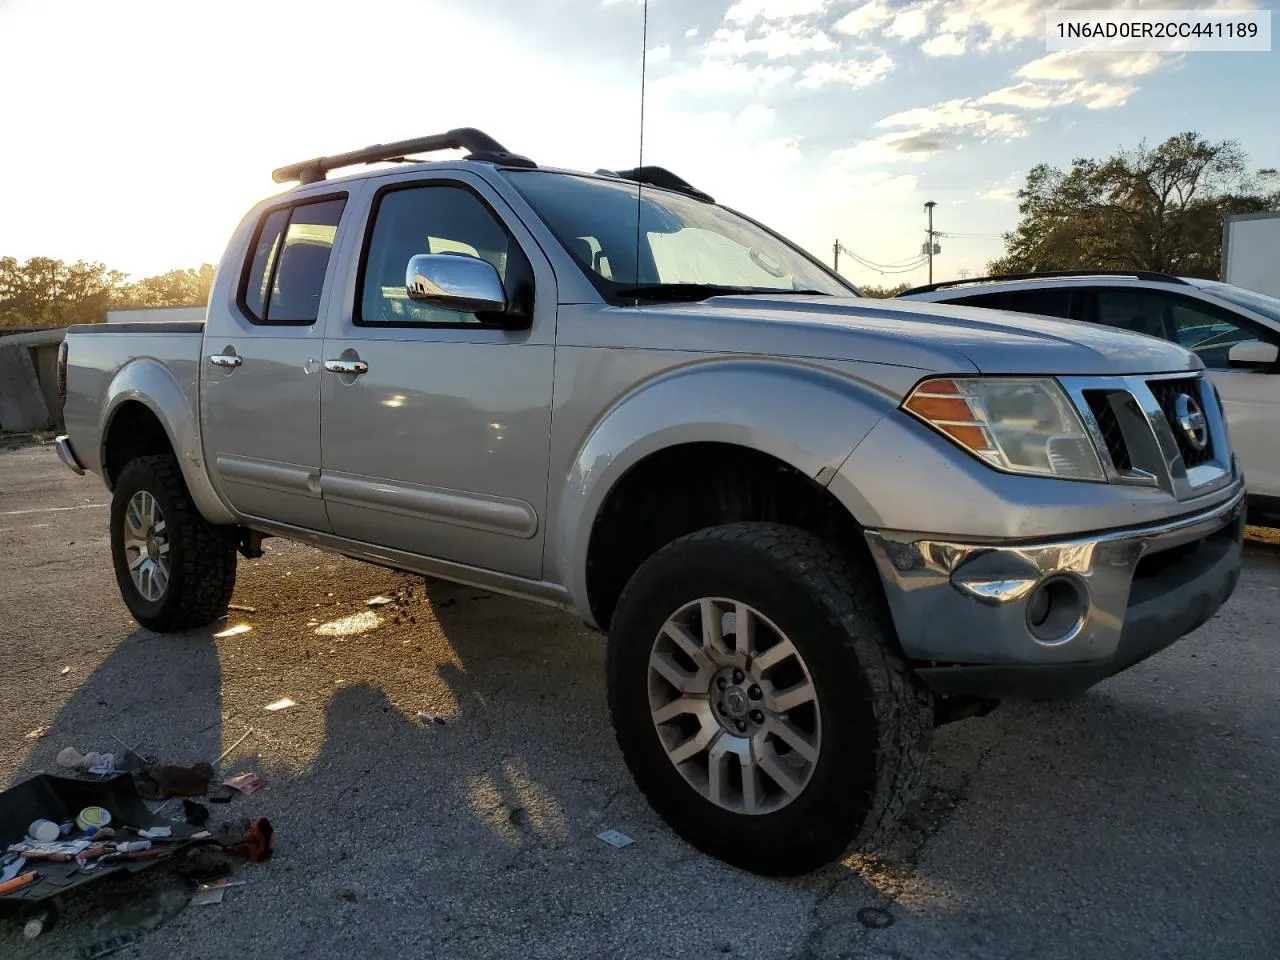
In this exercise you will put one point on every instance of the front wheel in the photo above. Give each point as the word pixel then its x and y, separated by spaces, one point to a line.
pixel 175 569
pixel 759 699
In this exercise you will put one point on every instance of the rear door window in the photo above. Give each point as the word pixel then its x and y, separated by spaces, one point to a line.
pixel 1138 311
pixel 1045 303
pixel 285 275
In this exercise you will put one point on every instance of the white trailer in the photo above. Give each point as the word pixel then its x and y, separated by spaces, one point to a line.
pixel 1251 252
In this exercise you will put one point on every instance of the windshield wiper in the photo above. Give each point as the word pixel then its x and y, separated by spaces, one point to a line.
pixel 701 291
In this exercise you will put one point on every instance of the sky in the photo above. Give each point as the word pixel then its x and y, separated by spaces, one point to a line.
pixel 138 132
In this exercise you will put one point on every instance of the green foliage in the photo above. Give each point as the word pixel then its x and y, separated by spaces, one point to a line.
pixel 884 293
pixel 1155 209
pixel 43 292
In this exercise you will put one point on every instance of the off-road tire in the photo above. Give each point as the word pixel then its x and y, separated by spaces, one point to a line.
pixel 202 556
pixel 877 719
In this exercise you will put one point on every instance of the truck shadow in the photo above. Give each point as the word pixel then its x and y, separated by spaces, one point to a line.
pixel 477 836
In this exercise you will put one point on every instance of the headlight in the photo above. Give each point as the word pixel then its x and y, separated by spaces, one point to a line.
pixel 1016 425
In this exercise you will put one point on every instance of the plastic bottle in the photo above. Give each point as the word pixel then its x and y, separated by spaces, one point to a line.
pixel 38 924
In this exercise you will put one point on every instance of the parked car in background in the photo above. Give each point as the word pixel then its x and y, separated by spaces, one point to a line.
pixel 1235 333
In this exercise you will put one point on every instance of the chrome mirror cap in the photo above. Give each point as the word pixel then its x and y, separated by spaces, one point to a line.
pixel 455 282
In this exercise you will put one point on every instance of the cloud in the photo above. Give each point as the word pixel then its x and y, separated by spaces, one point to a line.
pixel 691 33
pixel 854 73
pixel 719 76
pixel 658 54
pixel 909 24
pixel 959 115
pixel 944 45
pixel 1038 96
pixel 864 19
pixel 783 40
pixel 749 11
pixel 1090 64
pixel 892 147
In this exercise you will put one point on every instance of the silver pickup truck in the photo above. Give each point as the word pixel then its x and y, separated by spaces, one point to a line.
pixel 813 525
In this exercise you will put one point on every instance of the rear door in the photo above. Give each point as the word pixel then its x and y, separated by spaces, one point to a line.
pixel 440 445
pixel 260 383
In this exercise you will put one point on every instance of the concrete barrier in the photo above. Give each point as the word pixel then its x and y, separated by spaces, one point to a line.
pixel 29 379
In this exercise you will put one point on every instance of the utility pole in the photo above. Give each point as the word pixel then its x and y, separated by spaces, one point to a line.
pixel 964 274
pixel 835 256
pixel 929 245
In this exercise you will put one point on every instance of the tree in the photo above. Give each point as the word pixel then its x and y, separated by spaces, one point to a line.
pixel 177 288
pixel 884 293
pixel 47 292
pixel 1155 209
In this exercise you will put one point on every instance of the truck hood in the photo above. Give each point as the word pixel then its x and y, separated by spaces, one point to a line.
pixel 931 336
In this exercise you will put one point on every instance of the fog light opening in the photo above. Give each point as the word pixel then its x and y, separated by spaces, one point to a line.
pixel 1055 609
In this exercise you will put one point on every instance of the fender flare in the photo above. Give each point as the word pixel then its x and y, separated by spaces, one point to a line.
pixel 147 381
pixel 804 415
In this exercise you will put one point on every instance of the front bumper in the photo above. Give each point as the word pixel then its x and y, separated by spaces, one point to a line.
pixel 973 616
pixel 67 455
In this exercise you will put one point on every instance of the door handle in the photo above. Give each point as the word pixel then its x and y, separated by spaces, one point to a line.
pixel 226 360
pixel 355 367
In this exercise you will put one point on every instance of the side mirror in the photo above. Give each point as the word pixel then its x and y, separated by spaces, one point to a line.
pixel 455 282
pixel 1254 355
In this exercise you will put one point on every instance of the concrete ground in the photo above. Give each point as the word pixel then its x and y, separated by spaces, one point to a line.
pixel 1138 821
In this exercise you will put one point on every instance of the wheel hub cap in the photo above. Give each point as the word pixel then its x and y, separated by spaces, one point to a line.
pixel 734 706
pixel 146 546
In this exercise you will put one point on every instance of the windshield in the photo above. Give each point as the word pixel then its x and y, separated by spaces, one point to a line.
pixel 1268 307
pixel 688 249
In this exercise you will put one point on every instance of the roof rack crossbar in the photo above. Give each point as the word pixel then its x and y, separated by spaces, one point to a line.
pixel 480 144
pixel 1010 277
pixel 664 178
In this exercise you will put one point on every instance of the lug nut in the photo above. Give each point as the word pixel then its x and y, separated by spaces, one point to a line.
pixel 720 683
pixel 755 693
pixel 742 726
pixel 738 676
pixel 757 716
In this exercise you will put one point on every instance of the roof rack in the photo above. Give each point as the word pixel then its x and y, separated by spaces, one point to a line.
pixel 664 178
pixel 482 146
pixel 1009 277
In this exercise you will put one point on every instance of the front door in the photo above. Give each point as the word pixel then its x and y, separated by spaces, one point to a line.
pixel 260 382
pixel 437 424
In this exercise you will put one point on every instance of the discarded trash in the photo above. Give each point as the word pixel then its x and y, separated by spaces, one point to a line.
pixel 35 734
pixel 156 833
pixel 203 863
pixel 243 738
pixel 38 924
pixel 431 718
pixel 133 846
pixel 256 843
pixel 235 631
pixel 220 793
pixel 91 817
pixel 221 884
pixel 161 781
pixel 64 672
pixel 17 883
pixel 378 601
pixel 196 814
pixel 242 607
pixel 12 869
pixel 349 895
pixel 284 703
pixel 45 830
pixel 101 764
pixel 615 839
pixel 205 896
pixel 246 783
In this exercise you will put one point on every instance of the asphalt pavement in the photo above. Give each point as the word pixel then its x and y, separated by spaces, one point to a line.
pixel 1137 821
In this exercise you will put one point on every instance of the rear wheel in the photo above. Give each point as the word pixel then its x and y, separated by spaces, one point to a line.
pixel 175 569
pixel 759 700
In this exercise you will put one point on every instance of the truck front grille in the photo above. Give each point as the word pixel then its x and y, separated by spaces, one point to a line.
pixel 1166 393
pixel 1109 426
pixel 1134 423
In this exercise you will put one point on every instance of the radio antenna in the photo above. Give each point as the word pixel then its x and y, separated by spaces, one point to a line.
pixel 644 53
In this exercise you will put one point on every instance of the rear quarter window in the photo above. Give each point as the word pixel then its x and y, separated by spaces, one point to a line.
pixel 285 270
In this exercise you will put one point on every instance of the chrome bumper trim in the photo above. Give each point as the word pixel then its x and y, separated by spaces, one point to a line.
pixel 67 455
pixel 959 602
